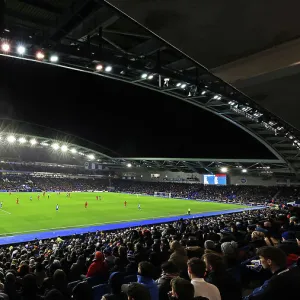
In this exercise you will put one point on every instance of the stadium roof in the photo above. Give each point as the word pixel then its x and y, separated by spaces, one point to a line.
pixel 95 37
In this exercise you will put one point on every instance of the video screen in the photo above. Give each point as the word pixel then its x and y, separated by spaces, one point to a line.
pixel 217 179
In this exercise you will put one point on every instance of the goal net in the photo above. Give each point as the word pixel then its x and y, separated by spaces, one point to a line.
pixel 162 194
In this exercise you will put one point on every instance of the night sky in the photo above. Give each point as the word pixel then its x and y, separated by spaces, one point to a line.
pixel 133 121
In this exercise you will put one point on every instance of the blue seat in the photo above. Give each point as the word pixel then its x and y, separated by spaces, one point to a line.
pixel 96 280
pixel 72 284
pixel 100 290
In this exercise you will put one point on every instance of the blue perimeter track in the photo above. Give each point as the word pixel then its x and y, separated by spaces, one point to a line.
pixel 22 238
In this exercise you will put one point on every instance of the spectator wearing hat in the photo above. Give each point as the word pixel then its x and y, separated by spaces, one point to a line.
pixel 98 267
pixel 196 271
pixel 136 291
pixel 145 276
pixel 289 244
pixel 115 283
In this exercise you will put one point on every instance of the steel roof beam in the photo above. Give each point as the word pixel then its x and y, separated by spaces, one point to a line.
pixel 79 10
pixel 146 48
pixel 181 64
pixel 45 5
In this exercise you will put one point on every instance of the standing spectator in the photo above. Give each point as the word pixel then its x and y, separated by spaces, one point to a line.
pixel 169 271
pixel 136 291
pixel 183 290
pixel 178 256
pixel 145 271
pixel 98 266
pixel 196 271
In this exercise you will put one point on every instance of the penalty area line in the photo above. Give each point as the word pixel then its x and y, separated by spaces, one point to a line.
pixel 7 212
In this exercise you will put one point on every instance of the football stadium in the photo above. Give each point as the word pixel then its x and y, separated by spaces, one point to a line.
pixel 80 221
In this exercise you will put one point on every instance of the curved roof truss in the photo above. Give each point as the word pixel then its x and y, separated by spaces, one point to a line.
pixel 96 37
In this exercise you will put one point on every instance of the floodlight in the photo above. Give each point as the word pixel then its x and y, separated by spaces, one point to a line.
pixel 40 55
pixel 5 47
pixel 150 77
pixel 244 171
pixel 43 143
pixel 22 140
pixel 108 69
pixel 64 148
pixel 73 150
pixel 91 156
pixel 11 139
pixel 203 93
pixel 99 67
pixel 183 86
pixel 33 142
pixel 21 50
pixel 54 58
pixel 55 146
pixel 178 84
pixel 144 76
pixel 129 165
pixel 224 170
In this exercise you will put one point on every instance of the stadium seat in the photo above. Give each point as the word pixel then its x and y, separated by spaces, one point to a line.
pixel 72 284
pixel 100 290
pixel 96 280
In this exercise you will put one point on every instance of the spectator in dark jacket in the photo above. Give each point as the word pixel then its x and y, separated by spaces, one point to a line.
pixel 169 271
pixel 289 244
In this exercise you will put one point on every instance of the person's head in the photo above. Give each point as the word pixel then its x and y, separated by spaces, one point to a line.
pixel 99 256
pixel 115 282
pixel 54 295
pixel 136 291
pixel 288 235
pixel 196 268
pixel 145 269
pixel 169 268
pixel 182 289
pixel 213 262
pixel 272 258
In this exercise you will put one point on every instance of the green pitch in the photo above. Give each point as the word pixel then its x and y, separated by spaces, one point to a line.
pixel 41 215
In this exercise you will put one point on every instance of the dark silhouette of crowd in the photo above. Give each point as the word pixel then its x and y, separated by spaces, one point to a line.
pixel 248 255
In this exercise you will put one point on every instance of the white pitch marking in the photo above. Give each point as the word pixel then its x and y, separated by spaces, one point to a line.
pixel 112 222
pixel 5 211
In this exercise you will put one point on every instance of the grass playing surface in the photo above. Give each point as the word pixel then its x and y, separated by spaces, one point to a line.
pixel 41 215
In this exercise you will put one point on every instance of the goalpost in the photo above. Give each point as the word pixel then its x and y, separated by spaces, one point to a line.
pixel 162 194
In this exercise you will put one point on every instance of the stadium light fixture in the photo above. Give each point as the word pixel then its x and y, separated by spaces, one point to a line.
pixel 22 140
pixel 21 50
pixel 33 142
pixel 11 139
pixel 99 67
pixel 54 58
pixel 224 170
pixel 129 165
pixel 244 171
pixel 42 143
pixel 108 69
pixel 150 76
pixel 178 84
pixel 55 146
pixel 5 47
pixel 40 55
pixel 64 148
pixel 203 93
pixel 91 156
pixel 183 86
pixel 144 76
pixel 73 150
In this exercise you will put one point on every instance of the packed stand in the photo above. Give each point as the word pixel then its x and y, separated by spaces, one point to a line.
pixel 249 255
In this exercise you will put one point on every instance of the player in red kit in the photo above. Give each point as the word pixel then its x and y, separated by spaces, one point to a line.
pixel 97 197
pixel 86 204
pixel 17 201
pixel 125 203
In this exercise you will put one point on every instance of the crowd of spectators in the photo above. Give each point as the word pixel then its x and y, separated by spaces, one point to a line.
pixel 249 255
